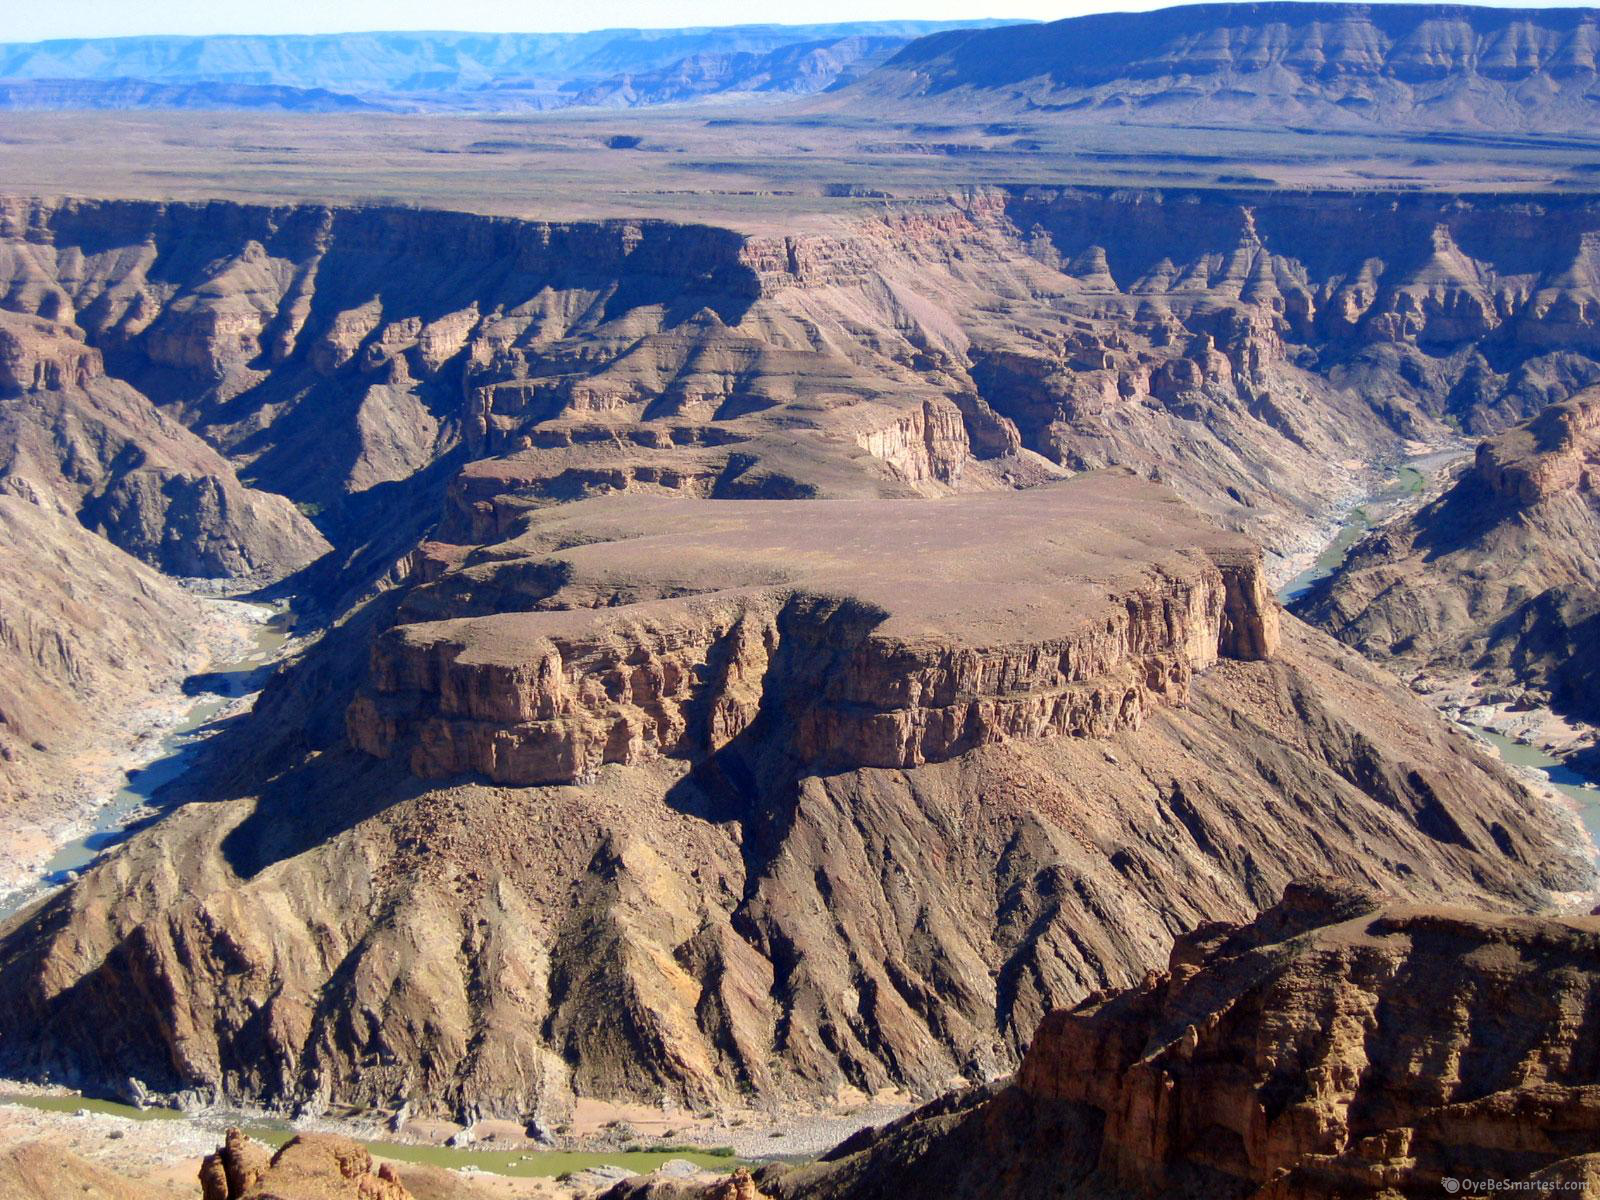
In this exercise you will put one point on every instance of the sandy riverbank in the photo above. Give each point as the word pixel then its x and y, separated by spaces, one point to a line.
pixel 234 635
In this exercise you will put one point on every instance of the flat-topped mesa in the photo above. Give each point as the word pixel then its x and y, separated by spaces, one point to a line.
pixel 1558 451
pixel 848 633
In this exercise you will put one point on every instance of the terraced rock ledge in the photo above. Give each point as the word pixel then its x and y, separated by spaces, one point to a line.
pixel 867 633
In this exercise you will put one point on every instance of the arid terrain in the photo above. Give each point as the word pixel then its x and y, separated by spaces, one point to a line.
pixel 785 610
pixel 1497 581
pixel 1300 1055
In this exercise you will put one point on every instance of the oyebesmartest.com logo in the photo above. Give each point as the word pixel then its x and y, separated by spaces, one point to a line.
pixel 1478 1187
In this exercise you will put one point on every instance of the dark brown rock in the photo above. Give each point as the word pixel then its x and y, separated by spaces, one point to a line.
pixel 1339 1046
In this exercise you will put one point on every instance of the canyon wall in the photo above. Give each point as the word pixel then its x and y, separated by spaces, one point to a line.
pixel 1243 344
pixel 1415 66
pixel 709 899
pixel 728 695
pixel 1498 577
pixel 1297 1057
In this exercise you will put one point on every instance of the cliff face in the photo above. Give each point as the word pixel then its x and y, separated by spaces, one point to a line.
pixel 1332 1047
pixel 751 725
pixel 1337 1101
pixel 1240 343
pixel 1411 65
pixel 671 628
pixel 1499 576
pixel 820 806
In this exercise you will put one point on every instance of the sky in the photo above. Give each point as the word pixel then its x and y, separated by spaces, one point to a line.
pixel 33 20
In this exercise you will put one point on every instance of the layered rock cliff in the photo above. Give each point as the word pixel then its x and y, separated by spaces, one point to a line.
pixel 1247 345
pixel 670 628
pixel 1421 66
pixel 1335 1046
pixel 815 747
pixel 821 805
pixel 1499 576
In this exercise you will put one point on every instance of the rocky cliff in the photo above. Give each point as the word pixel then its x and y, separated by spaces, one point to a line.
pixel 717 710
pixel 1412 65
pixel 819 805
pixel 670 628
pixel 1499 576
pixel 1335 1046
pixel 1247 346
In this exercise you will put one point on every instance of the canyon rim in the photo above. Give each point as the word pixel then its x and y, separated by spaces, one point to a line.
pixel 775 535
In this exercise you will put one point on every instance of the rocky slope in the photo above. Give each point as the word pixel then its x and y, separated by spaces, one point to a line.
pixel 1425 66
pixel 1498 578
pixel 1335 1046
pixel 42 1171
pixel 85 633
pixel 688 730
pixel 815 811
pixel 99 452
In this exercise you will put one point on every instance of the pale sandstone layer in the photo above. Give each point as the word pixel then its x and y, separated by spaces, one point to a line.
pixel 1335 1046
pixel 1499 577
pixel 871 853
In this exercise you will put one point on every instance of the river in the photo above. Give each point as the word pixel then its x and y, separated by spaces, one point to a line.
pixel 210 694
pixel 1583 791
pixel 1409 482
pixel 519 1163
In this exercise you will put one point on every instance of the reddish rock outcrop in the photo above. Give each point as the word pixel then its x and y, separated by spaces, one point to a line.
pixel 310 1166
pixel 1336 1046
pixel 1557 451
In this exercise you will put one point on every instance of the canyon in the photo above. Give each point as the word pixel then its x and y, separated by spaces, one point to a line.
pixel 463 466
pixel 1496 578
pixel 791 621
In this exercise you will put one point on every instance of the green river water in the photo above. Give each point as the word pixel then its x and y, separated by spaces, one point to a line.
pixel 525 1163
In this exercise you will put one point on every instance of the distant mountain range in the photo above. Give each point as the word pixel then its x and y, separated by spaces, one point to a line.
pixel 449 71
pixel 1421 66
pixel 1416 65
